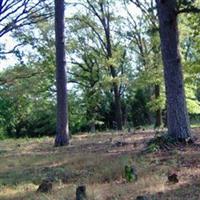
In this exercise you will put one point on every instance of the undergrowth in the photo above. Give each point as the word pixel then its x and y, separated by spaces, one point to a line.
pixel 161 142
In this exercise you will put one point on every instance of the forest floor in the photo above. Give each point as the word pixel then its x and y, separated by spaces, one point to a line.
pixel 98 161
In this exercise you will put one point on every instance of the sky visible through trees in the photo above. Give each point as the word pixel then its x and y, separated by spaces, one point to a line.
pixel 10 41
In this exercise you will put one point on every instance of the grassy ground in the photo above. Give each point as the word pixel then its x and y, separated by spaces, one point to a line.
pixel 98 161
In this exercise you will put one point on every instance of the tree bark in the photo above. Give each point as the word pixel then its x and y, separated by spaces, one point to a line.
pixel 177 114
pixel 62 133
pixel 117 97
pixel 118 111
pixel 158 122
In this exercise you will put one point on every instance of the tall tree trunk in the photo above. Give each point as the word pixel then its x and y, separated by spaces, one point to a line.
pixel 62 134
pixel 177 114
pixel 158 122
pixel 118 111
pixel 117 97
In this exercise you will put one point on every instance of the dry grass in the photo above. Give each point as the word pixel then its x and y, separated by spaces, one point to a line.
pixel 97 162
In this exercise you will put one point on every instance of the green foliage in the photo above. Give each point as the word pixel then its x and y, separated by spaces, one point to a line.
pixel 153 148
pixel 24 110
pixel 77 119
pixel 130 174
pixel 190 54
pixel 139 109
pixel 3 134
pixel 156 103
pixel 27 89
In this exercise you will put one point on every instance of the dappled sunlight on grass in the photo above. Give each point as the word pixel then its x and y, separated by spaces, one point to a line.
pixel 98 162
pixel 17 191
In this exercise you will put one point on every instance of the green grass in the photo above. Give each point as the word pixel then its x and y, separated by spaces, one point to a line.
pixel 195 125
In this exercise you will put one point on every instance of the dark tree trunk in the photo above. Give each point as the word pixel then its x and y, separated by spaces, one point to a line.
pixel 158 122
pixel 117 97
pixel 177 114
pixel 62 135
pixel 124 114
pixel 118 111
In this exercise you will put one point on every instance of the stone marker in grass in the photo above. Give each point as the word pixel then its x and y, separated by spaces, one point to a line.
pixel 45 186
pixel 173 178
pixel 141 198
pixel 81 193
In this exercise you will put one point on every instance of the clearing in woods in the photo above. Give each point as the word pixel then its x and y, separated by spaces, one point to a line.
pixel 98 162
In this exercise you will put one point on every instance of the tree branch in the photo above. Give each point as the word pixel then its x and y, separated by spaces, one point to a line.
pixel 189 10
pixel 15 13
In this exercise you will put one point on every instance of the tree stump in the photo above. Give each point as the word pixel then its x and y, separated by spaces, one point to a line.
pixel 142 198
pixel 45 186
pixel 81 193
pixel 173 178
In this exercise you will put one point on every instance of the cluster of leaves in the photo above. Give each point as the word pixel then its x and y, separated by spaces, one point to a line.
pixel 130 173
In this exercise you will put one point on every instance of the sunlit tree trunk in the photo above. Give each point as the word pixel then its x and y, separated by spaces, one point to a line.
pixel 177 114
pixel 62 135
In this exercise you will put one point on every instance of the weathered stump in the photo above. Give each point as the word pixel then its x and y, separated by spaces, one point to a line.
pixel 142 198
pixel 45 186
pixel 81 193
pixel 173 178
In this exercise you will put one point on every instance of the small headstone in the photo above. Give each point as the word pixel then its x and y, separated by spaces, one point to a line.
pixel 141 198
pixel 173 178
pixel 81 193
pixel 45 186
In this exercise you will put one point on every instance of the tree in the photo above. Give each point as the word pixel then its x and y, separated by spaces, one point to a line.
pixel 90 69
pixel 144 38
pixel 62 132
pixel 24 110
pixel 177 114
pixel 101 26
pixel 88 77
